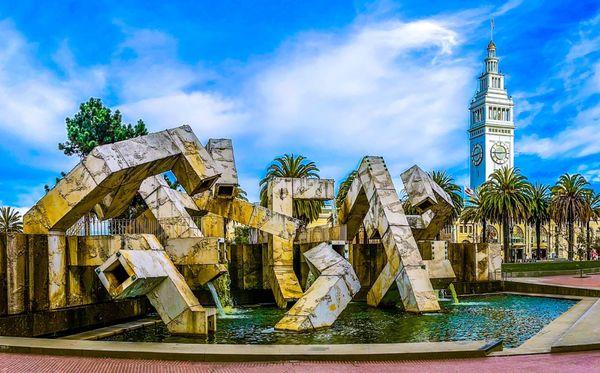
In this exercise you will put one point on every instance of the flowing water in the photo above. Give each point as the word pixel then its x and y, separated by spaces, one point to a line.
pixel 513 318
pixel 215 296
pixel 453 292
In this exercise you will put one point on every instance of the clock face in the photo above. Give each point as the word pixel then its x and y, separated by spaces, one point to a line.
pixel 477 155
pixel 499 153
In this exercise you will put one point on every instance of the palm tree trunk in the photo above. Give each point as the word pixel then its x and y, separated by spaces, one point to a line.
pixel 570 243
pixel 538 239
pixel 484 231
pixel 506 239
pixel 587 240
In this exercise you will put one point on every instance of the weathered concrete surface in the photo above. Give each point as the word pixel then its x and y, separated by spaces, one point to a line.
pixel 475 262
pixel 202 258
pixel 221 151
pixel 249 214
pixel 246 353
pixel 15 272
pixel 435 255
pixel 147 270
pixel 328 296
pixel 245 266
pixel 111 175
pixel 57 269
pixel 372 198
pixel 278 263
pixel 584 334
pixel 279 271
pixel 35 324
pixel 425 195
pixel 109 331
pixel 322 233
pixel 170 208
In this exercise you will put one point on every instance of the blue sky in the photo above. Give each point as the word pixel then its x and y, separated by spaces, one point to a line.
pixel 332 80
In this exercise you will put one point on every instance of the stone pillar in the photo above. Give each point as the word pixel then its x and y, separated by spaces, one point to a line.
pixel 57 269
pixel 280 253
pixel 15 271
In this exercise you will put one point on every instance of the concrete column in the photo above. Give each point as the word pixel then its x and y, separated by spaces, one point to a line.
pixel 15 271
pixel 57 269
pixel 280 254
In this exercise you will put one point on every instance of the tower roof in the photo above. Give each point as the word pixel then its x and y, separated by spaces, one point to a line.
pixel 491 46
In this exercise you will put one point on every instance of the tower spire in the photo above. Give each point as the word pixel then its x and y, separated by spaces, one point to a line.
pixel 492 28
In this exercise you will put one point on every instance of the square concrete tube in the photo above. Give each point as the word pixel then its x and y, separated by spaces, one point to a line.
pixel 372 195
pixel 328 296
pixel 427 196
pixel 281 194
pixel 132 273
pixel 109 177
pixel 221 151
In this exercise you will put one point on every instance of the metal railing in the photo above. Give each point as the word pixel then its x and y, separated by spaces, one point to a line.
pixel 91 226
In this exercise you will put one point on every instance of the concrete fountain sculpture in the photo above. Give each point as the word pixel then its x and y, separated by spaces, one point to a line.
pixel 185 257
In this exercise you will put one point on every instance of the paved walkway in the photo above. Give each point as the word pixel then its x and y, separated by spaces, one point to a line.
pixel 547 363
pixel 591 282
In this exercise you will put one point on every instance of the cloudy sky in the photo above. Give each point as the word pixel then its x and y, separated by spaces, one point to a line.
pixel 332 80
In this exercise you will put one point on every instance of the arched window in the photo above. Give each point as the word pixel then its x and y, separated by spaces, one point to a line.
pixel 492 234
pixel 518 237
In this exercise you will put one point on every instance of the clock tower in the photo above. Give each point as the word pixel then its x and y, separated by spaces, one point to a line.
pixel 491 130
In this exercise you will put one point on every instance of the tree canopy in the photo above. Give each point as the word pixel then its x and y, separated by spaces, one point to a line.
pixel 296 167
pixel 95 124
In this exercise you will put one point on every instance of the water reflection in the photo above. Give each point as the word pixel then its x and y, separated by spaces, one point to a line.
pixel 513 318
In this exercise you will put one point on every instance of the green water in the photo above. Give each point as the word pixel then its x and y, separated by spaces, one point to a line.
pixel 513 318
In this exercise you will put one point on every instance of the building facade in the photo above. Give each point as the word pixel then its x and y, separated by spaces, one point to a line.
pixel 491 129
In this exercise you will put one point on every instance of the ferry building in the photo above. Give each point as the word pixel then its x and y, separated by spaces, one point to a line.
pixel 491 141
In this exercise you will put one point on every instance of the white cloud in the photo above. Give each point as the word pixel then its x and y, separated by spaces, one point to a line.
pixel 396 89
pixel 580 76
pixel 34 100
pixel 393 89
pixel 209 114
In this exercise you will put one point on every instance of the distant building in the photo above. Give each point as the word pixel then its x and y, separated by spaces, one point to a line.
pixel 491 129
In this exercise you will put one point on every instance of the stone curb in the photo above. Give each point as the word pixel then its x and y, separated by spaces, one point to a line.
pixel 246 353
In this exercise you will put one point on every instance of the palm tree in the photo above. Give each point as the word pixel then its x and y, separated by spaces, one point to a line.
pixel 592 200
pixel 539 212
pixel 295 167
pixel 506 196
pixel 446 182
pixel 10 220
pixel 344 188
pixel 474 212
pixel 568 204
pixel 241 194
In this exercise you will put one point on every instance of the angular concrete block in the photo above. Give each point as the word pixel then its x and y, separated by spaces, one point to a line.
pixel 221 151
pixel 372 199
pixel 329 294
pixel 314 189
pixel 131 273
pixel 111 175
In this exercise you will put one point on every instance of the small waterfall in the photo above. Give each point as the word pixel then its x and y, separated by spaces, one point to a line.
pixel 442 294
pixel 215 296
pixel 453 292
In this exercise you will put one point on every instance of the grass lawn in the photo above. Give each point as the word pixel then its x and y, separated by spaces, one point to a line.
pixel 548 266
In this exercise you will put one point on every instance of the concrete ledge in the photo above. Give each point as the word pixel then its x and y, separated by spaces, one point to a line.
pixel 46 322
pixel 521 286
pixel 109 331
pixel 584 334
pixel 215 352
pixel 545 338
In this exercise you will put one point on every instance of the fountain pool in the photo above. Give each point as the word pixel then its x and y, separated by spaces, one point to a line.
pixel 512 318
